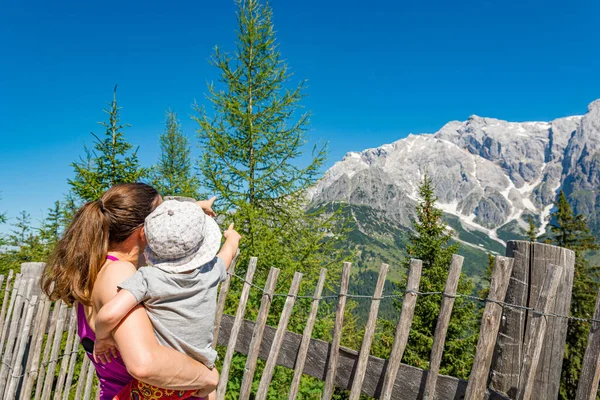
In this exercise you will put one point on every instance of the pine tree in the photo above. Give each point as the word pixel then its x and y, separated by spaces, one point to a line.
pixel 173 175
pixel 251 146
pixel 571 231
pixel 430 244
pixel 532 230
pixel 52 225
pixel 112 160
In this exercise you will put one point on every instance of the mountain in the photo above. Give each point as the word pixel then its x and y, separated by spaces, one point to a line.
pixel 490 177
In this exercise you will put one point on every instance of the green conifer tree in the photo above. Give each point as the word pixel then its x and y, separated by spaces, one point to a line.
pixel 532 230
pixel 112 160
pixel 571 231
pixel 251 143
pixel 173 175
pixel 430 243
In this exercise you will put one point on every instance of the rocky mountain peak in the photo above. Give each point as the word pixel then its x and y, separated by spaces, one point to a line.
pixel 488 172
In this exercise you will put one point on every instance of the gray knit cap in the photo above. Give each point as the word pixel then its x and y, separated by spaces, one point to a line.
pixel 180 237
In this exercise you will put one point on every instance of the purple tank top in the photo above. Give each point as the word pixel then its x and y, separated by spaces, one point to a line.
pixel 113 376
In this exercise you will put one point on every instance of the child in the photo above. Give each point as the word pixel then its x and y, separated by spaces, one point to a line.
pixel 179 290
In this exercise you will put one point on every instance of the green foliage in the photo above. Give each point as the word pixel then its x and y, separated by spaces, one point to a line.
pixel 430 243
pixel 27 244
pixel 173 175
pixel 532 230
pixel 571 231
pixel 112 160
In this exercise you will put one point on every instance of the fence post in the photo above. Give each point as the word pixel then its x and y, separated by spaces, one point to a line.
pixel 587 388
pixel 490 322
pixel 531 265
pixel 32 271
pixel 439 337
pixel 306 336
pixel 337 334
pixel 267 374
pixel 365 348
pixel 403 328
pixel 257 334
pixel 239 316
pixel 535 339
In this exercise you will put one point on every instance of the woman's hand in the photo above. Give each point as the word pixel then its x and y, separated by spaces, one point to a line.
pixel 105 349
pixel 206 206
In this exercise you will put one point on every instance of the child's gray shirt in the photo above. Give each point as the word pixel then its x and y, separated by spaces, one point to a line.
pixel 181 306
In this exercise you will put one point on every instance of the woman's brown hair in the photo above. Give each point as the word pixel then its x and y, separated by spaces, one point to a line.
pixel 72 268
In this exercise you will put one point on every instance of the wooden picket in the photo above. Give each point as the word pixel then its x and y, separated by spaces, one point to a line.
pixel 41 356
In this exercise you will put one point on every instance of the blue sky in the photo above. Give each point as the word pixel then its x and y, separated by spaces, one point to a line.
pixel 376 71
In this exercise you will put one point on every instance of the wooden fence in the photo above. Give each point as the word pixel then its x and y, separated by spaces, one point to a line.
pixel 518 356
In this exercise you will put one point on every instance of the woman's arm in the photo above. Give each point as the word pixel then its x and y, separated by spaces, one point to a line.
pixel 149 362
pixel 145 359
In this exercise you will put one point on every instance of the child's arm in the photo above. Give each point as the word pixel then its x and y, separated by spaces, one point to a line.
pixel 230 247
pixel 108 318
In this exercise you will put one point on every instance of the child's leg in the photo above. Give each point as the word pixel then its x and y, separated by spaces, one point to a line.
pixel 212 396
pixel 137 390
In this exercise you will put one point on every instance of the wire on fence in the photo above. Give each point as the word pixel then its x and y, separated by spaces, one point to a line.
pixel 352 296
pixel 396 296
pixel 42 365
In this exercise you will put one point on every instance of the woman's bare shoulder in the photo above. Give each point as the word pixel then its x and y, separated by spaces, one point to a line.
pixel 112 274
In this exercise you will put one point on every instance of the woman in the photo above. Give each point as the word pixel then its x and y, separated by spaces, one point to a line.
pixel 99 250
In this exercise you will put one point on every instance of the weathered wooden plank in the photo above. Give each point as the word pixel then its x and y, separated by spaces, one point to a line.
pixel 91 371
pixel 538 331
pixel 330 379
pixel 530 268
pixel 306 336
pixel 259 328
pixel 365 348
pixel 16 373
pixel 224 290
pixel 47 348
pixel 60 325
pixel 66 357
pixel 489 328
pixel 26 300
pixel 587 388
pixel 7 290
pixel 72 362
pixel 403 328
pixel 267 374
pixel 85 366
pixel 9 313
pixel 222 387
pixel 441 328
pixel 33 361
pixel 15 320
pixel 410 381
pixel 32 271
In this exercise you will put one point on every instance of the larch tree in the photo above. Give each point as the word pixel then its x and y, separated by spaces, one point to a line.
pixel 112 160
pixel 173 175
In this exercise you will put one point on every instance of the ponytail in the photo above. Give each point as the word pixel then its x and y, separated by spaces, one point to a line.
pixel 85 243
pixel 72 268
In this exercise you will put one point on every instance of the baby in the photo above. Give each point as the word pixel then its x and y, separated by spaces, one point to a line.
pixel 179 289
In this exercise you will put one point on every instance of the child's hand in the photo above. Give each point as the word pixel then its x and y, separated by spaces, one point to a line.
pixel 206 206
pixel 105 349
pixel 230 234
